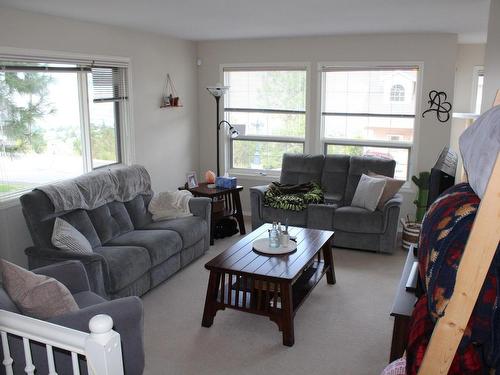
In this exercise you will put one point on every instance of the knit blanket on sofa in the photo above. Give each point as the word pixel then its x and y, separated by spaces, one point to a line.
pixel 293 197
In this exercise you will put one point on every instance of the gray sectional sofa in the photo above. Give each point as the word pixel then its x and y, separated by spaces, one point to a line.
pixel 131 253
pixel 339 175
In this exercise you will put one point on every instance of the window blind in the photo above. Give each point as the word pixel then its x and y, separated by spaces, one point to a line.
pixel 110 84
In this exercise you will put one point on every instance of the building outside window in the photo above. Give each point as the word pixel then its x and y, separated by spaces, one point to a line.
pixel 268 108
pixel 370 111
pixel 398 93
pixel 58 120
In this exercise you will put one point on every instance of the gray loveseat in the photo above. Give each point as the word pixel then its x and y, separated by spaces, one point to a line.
pixel 339 175
pixel 127 315
pixel 131 253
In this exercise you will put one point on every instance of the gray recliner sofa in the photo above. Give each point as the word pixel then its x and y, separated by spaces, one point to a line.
pixel 131 253
pixel 127 315
pixel 338 175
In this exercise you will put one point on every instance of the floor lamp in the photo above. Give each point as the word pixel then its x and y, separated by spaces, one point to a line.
pixel 218 91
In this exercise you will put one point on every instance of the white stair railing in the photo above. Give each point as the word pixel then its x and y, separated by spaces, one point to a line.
pixel 101 346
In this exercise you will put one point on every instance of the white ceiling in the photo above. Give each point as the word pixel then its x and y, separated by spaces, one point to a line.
pixel 230 19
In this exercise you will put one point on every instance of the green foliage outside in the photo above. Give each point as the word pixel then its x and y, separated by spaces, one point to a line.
pixel 279 91
pixel 7 188
pixel 19 121
pixel 103 143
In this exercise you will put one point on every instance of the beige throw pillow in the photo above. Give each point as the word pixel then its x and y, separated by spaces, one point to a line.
pixel 66 237
pixel 392 186
pixel 38 296
pixel 368 192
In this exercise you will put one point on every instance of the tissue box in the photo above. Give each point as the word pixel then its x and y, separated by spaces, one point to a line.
pixel 225 182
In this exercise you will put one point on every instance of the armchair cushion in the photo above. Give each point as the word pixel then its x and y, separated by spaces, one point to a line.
pixel 86 299
pixel 38 296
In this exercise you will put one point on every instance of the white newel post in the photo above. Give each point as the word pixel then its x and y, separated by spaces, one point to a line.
pixel 103 347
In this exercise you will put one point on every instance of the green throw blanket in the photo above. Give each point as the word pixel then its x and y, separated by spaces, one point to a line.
pixel 293 197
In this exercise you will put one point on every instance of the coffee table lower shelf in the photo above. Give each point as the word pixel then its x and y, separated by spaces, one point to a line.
pixel 277 299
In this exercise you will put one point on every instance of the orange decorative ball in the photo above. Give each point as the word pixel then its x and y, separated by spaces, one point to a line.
pixel 210 177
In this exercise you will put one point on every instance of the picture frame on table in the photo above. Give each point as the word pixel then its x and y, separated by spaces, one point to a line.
pixel 192 180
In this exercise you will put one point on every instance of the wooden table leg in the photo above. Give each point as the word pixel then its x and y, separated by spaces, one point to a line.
pixel 239 212
pixel 399 337
pixel 328 257
pixel 211 299
pixel 212 227
pixel 287 314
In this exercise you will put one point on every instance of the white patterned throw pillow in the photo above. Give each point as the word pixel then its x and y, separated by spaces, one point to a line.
pixel 368 192
pixel 66 237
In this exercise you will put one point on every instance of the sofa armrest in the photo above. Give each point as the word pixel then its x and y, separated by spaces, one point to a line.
pixel 257 204
pixel 71 273
pixel 395 201
pixel 95 265
pixel 202 207
pixel 128 321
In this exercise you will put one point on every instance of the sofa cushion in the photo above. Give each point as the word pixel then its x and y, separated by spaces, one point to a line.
pixel 110 220
pixel 334 177
pixel 191 229
pixel 362 165
pixel 297 218
pixel 358 220
pixel 335 199
pixel 161 244
pixel 138 211
pixel 300 168
pixel 126 264
pixel 81 221
pixel 86 298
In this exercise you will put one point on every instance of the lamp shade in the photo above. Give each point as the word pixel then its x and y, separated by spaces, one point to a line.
pixel 218 90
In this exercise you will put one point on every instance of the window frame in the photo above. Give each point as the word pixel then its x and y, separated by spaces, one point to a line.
pixel 226 141
pixel 411 146
pixel 124 130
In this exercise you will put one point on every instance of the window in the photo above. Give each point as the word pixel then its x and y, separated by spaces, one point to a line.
pixel 397 93
pixel 477 89
pixel 357 118
pixel 57 120
pixel 268 108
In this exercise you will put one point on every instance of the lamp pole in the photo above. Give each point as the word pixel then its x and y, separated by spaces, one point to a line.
pixel 217 99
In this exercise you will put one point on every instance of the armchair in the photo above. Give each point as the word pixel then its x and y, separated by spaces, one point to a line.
pixel 127 315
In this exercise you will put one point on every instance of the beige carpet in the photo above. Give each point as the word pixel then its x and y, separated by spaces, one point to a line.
pixel 344 329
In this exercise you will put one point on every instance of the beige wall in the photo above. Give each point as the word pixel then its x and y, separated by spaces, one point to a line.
pixel 437 52
pixel 492 57
pixel 166 140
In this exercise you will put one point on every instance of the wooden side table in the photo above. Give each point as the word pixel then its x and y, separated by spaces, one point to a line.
pixel 225 203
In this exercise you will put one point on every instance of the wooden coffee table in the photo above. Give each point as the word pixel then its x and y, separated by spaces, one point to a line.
pixel 273 286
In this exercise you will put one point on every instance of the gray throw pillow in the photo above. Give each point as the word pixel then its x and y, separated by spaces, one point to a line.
pixel 66 237
pixel 368 192
pixel 38 296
